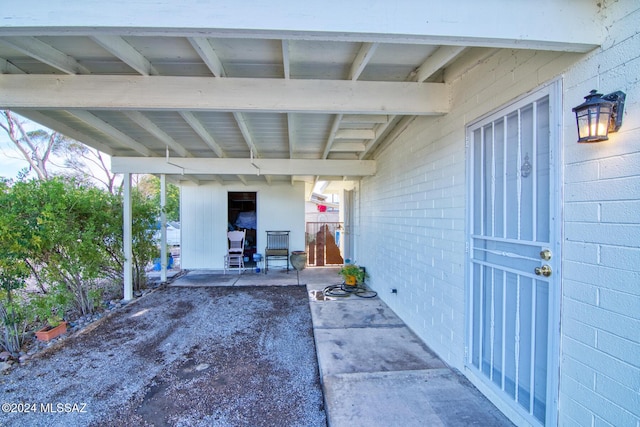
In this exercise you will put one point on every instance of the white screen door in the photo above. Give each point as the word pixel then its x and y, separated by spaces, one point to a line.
pixel 513 255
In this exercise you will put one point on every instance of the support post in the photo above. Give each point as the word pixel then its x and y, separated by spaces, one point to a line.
pixel 127 238
pixel 163 228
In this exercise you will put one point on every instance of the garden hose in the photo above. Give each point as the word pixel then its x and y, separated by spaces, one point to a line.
pixel 343 290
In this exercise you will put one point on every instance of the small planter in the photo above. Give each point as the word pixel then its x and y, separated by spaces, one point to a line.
pixel 353 274
pixel 350 280
pixel 48 333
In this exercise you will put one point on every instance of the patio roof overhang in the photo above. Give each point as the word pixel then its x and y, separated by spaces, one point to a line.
pixel 323 82
pixel 253 91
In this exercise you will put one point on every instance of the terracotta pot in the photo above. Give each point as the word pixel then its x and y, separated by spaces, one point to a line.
pixel 48 333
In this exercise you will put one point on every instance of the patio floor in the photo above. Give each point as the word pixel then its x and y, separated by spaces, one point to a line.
pixel 374 370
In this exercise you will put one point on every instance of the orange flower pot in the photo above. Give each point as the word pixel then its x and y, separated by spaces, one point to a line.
pixel 49 333
pixel 350 280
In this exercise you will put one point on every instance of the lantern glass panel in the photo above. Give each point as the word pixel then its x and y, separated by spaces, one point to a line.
pixel 593 122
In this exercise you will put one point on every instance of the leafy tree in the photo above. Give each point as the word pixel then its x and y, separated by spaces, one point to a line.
pixel 65 227
pixel 66 231
pixel 149 186
pixel 88 165
pixel 70 234
pixel 145 213
pixel 13 272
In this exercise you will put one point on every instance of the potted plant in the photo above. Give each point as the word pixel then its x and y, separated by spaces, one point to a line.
pixel 353 274
pixel 50 307
pixel 55 327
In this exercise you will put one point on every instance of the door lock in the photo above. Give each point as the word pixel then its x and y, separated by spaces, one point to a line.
pixel 545 271
pixel 545 254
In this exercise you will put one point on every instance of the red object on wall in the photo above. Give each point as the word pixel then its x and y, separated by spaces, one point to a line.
pixel 322 208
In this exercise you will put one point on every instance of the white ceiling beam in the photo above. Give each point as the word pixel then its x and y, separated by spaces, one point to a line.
pixel 109 130
pixel 332 135
pixel 66 130
pixel 228 94
pixel 43 52
pixel 311 187
pixel 397 130
pixel 365 118
pixel 189 178
pixel 291 135
pixel 197 126
pixel 127 54
pixel 362 59
pixel 242 179
pixel 7 67
pixel 228 166
pixel 208 55
pixel 246 133
pixel 437 60
pixel 286 63
pixel 543 24
pixel 380 130
pixel 355 134
pixel 347 147
pixel 146 123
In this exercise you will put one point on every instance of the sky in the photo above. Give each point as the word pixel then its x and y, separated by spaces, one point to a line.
pixel 11 160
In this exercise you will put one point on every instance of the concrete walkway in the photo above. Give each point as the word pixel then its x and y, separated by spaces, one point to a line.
pixel 374 370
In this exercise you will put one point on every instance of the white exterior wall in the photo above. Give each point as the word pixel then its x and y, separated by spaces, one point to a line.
pixel 411 220
pixel 203 213
pixel 413 210
pixel 600 358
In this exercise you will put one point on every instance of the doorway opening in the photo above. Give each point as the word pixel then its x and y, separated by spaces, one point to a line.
pixel 242 215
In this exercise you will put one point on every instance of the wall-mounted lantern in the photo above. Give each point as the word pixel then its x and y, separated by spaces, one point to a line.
pixel 598 115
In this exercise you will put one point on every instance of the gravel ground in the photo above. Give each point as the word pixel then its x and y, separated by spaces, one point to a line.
pixel 201 356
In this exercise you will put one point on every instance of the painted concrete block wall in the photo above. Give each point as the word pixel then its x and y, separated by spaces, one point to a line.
pixel 413 210
pixel 600 358
pixel 203 213
pixel 411 219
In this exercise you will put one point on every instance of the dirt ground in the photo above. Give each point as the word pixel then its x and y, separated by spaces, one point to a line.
pixel 195 356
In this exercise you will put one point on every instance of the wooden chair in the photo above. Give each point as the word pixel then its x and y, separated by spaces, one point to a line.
pixel 235 253
pixel 277 248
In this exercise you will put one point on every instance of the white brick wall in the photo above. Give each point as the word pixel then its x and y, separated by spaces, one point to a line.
pixel 413 209
pixel 600 364
pixel 411 219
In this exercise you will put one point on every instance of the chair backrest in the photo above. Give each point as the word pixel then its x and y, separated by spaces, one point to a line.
pixel 236 241
pixel 277 239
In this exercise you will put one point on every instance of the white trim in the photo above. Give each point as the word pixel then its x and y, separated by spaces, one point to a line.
pixel 127 237
pixel 163 228
pixel 547 24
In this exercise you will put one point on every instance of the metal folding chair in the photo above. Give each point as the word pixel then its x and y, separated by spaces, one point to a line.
pixel 277 248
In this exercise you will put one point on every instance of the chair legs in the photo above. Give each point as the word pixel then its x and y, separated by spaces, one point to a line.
pixel 279 257
pixel 234 261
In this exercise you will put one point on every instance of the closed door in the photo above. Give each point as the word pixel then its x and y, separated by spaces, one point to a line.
pixel 514 255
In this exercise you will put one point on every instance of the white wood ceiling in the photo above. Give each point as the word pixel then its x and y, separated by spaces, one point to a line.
pixel 237 94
